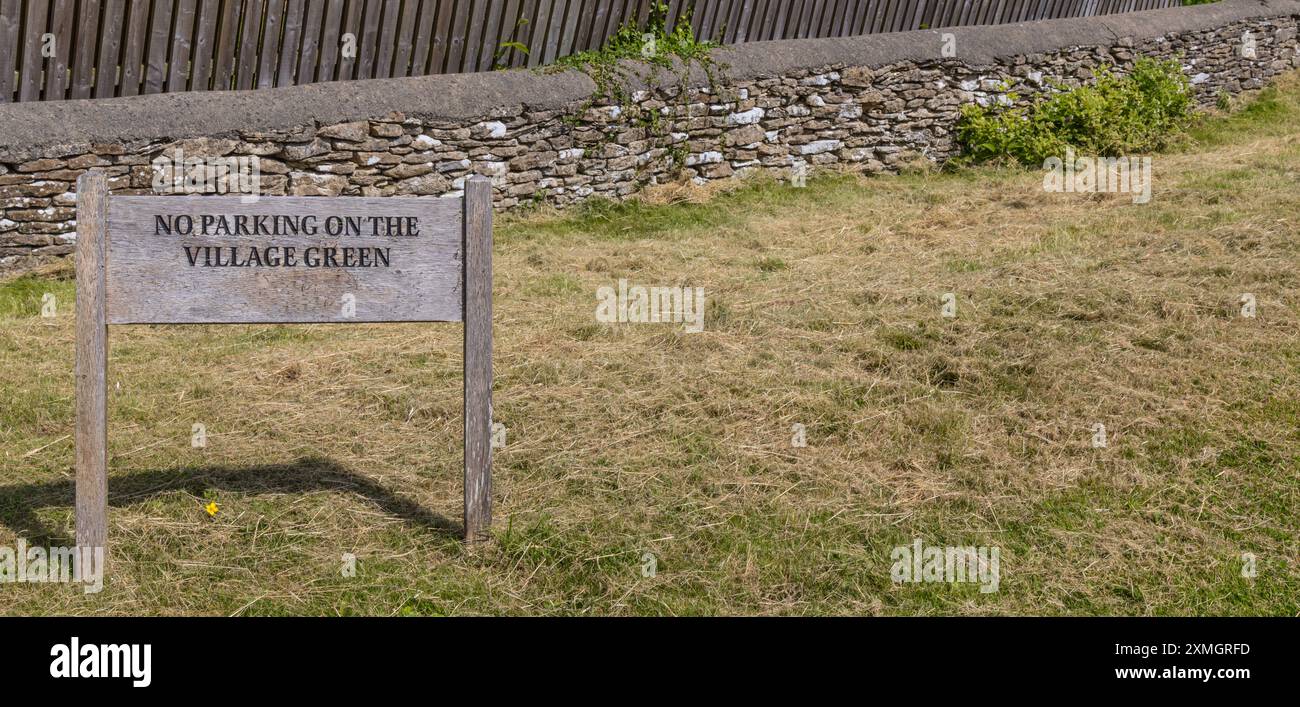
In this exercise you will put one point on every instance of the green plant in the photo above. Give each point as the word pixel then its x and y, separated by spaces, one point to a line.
pixel 506 50
pixel 653 46
pixel 1140 112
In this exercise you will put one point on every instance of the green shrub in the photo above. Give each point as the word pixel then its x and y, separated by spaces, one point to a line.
pixel 1119 115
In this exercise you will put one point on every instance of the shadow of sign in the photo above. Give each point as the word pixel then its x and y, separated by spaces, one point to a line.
pixel 19 503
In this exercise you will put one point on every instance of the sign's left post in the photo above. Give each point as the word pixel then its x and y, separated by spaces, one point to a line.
pixel 92 361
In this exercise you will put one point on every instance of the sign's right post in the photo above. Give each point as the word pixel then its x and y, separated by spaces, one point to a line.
pixel 477 286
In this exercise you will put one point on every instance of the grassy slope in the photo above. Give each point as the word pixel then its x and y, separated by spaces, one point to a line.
pixel 823 310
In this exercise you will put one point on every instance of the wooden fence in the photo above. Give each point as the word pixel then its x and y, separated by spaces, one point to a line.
pixel 58 49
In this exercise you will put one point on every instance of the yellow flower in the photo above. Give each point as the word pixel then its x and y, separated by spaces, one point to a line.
pixel 211 508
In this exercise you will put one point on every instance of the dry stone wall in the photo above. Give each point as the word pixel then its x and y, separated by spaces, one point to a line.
pixel 868 104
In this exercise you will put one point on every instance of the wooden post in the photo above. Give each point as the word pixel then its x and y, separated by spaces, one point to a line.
pixel 478 357
pixel 92 362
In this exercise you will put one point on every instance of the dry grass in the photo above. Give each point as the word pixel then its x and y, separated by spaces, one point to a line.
pixel 824 310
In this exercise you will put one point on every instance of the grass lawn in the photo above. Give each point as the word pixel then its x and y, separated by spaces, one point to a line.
pixel 625 439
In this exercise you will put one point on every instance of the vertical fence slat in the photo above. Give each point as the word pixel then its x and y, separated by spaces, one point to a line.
pixel 831 19
pixel 309 54
pixel 178 67
pixel 758 20
pixel 10 22
pixel 813 10
pixel 798 10
pixel 904 16
pixel 477 35
pixel 828 18
pixel 439 44
pixel 745 21
pixel 952 12
pixel 918 11
pixel 367 40
pixel 250 32
pixel 769 20
pixel 591 14
pixel 889 16
pixel 516 29
pixel 843 8
pixel 387 39
pixel 888 13
pixel 998 15
pixel 331 36
pixel 137 38
pixel 624 14
pixel 456 37
pixel 290 45
pixel 473 36
pixel 56 70
pixel 793 17
pixel 818 27
pixel 570 36
pixel 779 18
pixel 853 22
pixel 205 34
pixel 223 65
pixel 83 69
pixel 503 56
pixel 423 37
pixel 272 22
pixel 29 81
pixel 675 8
pixel 875 16
pixel 522 33
pixel 995 12
pixel 405 39
pixel 730 23
pixel 915 8
pixel 349 41
pixel 586 27
pixel 160 33
pixel 844 20
pixel 727 20
pixel 930 16
pixel 491 37
pixel 705 21
pixel 555 29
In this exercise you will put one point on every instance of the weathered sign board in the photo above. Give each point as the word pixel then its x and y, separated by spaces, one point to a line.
pixel 226 260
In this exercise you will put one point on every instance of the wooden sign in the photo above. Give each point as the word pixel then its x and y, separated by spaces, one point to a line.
pixel 215 259
pixel 221 260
